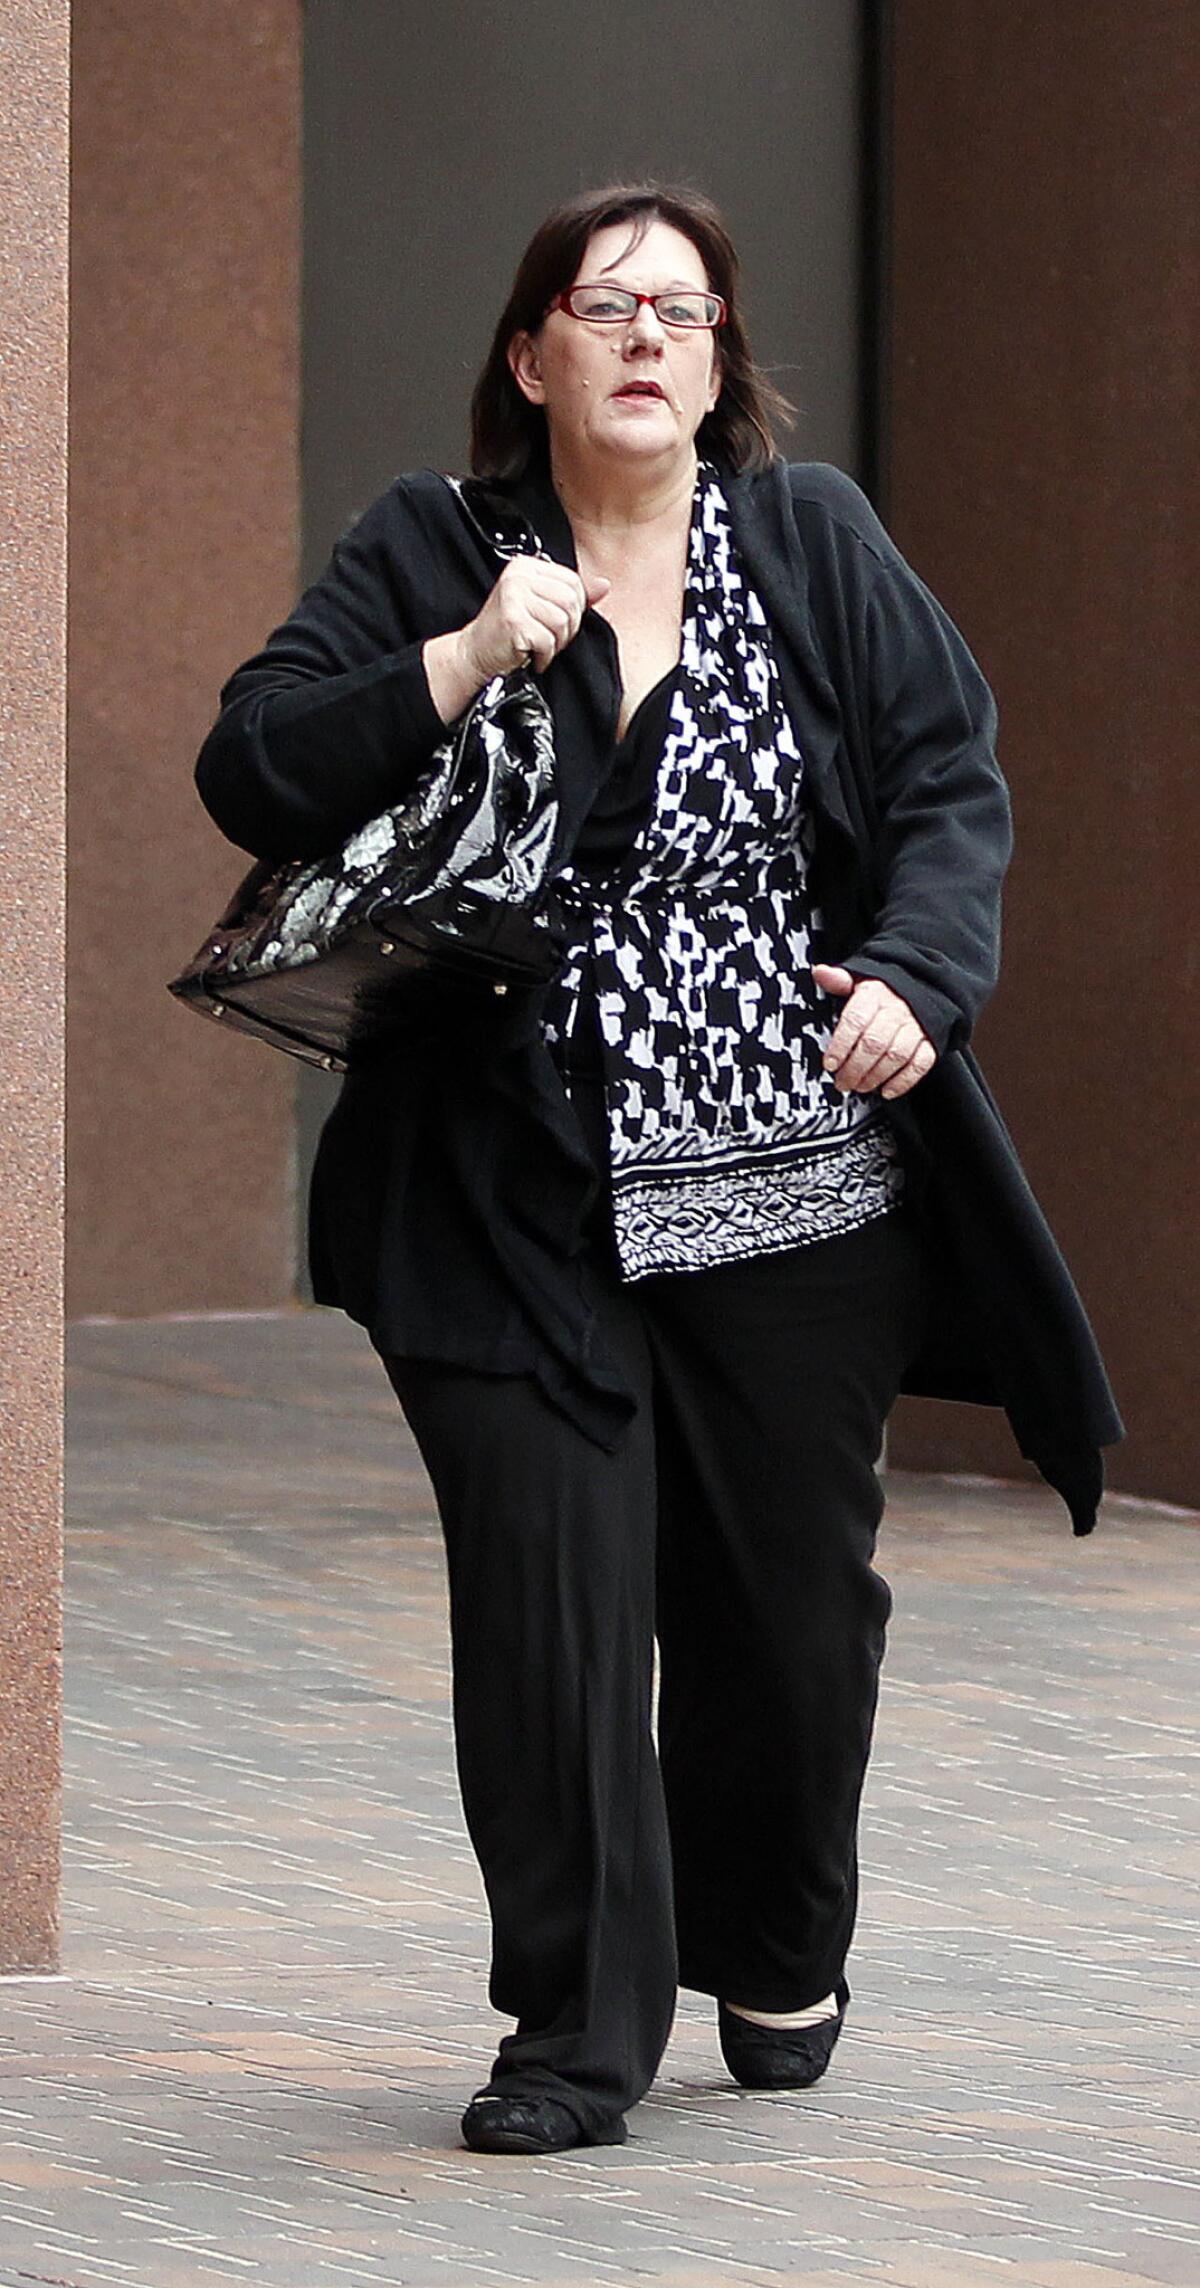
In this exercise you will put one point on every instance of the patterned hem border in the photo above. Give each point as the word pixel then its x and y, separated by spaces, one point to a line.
pixel 756 1158
pixel 762 1247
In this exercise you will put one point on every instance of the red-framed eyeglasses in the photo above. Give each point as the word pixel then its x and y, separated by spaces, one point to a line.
pixel 601 305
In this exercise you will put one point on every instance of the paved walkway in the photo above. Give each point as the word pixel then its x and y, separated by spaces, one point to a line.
pixel 273 2003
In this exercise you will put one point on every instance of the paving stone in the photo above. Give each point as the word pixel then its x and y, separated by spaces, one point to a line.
pixel 273 2002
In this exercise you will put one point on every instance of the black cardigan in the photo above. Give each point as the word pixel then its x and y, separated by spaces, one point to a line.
pixel 452 1179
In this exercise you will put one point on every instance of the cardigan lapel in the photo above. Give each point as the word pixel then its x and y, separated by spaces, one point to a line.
pixel 760 511
pixel 583 683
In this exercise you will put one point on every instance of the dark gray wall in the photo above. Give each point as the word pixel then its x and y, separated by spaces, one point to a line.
pixel 437 138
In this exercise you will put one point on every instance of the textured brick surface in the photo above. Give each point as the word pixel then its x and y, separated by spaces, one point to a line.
pixel 275 1940
pixel 35 44
pixel 186 151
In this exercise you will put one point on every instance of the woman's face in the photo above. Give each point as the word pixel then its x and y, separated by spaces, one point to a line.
pixel 578 372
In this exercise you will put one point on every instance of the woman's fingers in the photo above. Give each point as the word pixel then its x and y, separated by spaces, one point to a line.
pixel 540 626
pixel 868 1023
pixel 876 1055
pixel 539 606
pixel 923 1059
pixel 532 613
pixel 881 1051
pixel 877 1043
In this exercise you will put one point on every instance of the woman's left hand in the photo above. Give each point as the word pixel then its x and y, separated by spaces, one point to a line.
pixel 877 1042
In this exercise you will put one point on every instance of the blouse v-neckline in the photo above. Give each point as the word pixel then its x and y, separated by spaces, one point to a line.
pixel 624 737
pixel 558 538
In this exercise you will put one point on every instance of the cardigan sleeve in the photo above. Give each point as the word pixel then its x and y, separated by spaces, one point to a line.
pixel 327 725
pixel 924 724
pixel 944 834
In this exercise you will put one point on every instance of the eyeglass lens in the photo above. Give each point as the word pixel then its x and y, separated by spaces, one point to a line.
pixel 611 304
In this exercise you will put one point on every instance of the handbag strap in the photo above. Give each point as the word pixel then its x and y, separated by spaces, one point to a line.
pixel 494 518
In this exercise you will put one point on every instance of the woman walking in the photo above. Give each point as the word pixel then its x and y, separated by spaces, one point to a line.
pixel 649 1252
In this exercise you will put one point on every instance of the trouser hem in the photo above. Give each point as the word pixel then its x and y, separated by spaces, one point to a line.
pixel 594 2118
pixel 725 1986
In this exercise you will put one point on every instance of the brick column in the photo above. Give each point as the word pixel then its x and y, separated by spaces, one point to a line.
pixel 1040 420
pixel 34 79
pixel 185 512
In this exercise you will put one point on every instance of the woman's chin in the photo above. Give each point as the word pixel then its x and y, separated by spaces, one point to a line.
pixel 645 437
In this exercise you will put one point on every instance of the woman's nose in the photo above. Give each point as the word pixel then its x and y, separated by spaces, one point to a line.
pixel 646 325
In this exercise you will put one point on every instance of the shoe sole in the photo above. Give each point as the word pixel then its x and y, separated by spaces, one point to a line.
pixel 499 2140
pixel 753 2071
pixel 511 2141
pixel 782 2080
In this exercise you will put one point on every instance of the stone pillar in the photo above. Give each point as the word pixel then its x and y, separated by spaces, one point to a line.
pixel 34 82
pixel 185 507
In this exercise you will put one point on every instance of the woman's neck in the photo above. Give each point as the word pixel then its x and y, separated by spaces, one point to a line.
pixel 613 505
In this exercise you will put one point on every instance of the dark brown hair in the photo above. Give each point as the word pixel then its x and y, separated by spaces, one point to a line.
pixel 508 433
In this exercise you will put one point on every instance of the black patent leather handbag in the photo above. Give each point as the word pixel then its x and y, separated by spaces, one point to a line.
pixel 321 958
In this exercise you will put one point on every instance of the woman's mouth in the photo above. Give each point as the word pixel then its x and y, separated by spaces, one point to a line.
pixel 648 389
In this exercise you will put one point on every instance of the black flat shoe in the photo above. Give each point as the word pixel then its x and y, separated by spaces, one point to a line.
pixel 779 2057
pixel 531 2125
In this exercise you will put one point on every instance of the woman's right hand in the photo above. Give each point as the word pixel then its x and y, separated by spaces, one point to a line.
pixel 532 613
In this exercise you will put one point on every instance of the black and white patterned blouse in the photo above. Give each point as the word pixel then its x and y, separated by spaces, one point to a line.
pixel 727 1137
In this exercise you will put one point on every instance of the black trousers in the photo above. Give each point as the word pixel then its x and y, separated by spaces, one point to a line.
pixel 737 1522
